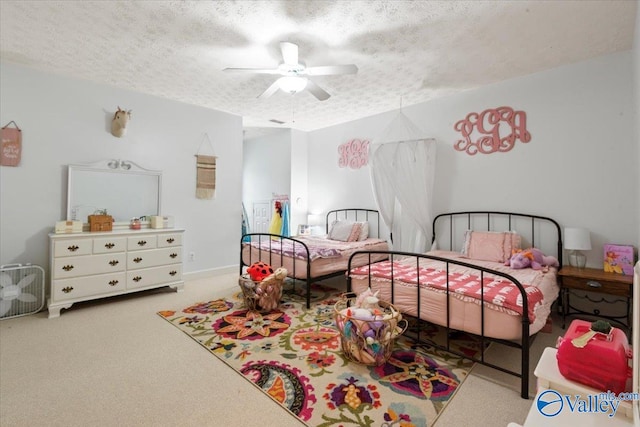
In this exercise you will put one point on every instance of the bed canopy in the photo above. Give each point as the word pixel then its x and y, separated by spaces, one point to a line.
pixel 403 163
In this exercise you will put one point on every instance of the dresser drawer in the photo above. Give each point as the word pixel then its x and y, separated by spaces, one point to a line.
pixel 109 245
pixel 599 285
pixel 86 265
pixel 169 240
pixel 81 287
pixel 144 241
pixel 72 247
pixel 154 276
pixel 153 258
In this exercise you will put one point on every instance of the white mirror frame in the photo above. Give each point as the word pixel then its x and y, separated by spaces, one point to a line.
pixel 114 185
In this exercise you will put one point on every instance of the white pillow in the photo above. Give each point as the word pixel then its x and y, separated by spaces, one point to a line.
pixel 340 230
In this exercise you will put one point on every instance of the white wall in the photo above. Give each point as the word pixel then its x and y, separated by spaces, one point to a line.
pixel 579 168
pixel 636 86
pixel 266 168
pixel 65 121
pixel 299 179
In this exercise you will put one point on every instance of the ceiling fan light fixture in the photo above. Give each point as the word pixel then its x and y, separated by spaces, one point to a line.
pixel 292 84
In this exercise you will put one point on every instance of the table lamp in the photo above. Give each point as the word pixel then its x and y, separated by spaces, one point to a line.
pixel 577 239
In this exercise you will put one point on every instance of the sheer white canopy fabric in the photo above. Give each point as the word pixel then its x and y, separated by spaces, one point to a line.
pixel 402 175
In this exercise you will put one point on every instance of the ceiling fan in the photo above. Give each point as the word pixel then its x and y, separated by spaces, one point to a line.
pixel 295 74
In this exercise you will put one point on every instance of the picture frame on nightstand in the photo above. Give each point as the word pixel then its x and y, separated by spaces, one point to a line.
pixel 304 230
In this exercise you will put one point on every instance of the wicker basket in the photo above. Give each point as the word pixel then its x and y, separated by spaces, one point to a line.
pixel 252 299
pixel 368 342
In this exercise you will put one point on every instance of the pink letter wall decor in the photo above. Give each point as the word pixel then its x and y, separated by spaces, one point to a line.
pixel 354 154
pixel 488 124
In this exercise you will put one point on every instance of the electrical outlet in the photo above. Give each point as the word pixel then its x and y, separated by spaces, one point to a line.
pixel 192 256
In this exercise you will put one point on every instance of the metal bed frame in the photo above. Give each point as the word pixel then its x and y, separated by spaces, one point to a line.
pixel 299 247
pixel 526 340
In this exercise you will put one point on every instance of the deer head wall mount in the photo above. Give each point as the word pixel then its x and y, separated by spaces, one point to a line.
pixel 119 122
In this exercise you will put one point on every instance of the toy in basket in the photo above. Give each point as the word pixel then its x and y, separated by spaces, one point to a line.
pixel 368 328
pixel 262 286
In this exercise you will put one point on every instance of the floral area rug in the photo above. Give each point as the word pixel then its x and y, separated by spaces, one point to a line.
pixel 294 355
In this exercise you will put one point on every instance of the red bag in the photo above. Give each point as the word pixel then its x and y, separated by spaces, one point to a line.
pixel 604 363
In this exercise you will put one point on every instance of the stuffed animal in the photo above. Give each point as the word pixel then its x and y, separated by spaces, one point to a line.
pixel 533 258
pixel 269 290
pixel 360 300
pixel 259 270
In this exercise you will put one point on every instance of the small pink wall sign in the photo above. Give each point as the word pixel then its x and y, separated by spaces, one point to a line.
pixel 354 154
pixel 497 130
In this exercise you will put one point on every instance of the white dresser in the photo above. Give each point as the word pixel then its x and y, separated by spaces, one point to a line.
pixel 88 266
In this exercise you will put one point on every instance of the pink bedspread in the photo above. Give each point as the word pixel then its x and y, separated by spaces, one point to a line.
pixel 498 292
pixel 319 247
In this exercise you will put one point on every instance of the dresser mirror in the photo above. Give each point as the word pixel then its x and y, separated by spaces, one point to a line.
pixel 119 188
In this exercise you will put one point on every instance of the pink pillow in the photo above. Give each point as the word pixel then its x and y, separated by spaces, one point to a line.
pixel 490 245
pixel 354 236
pixel 512 242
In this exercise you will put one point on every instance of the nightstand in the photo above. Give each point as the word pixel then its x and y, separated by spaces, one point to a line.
pixel 617 286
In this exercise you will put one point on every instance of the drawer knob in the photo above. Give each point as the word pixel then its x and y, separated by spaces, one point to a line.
pixel 594 284
pixel 67 289
pixel 67 267
pixel 113 282
pixel 109 245
pixel 173 255
pixel 114 262
pixel 173 273
pixel 142 242
pixel 73 248
pixel 171 240
pixel 137 279
pixel 137 260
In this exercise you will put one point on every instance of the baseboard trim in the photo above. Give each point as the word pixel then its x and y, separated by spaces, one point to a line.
pixel 211 272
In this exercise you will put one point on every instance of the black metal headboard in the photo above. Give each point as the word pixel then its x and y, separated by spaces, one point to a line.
pixel 536 230
pixel 372 216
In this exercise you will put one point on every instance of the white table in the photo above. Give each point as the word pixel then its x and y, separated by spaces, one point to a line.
pixel 553 386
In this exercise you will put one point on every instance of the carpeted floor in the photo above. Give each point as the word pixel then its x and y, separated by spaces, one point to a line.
pixel 294 355
pixel 114 362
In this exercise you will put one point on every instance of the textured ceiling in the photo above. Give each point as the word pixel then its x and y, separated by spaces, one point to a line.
pixel 406 51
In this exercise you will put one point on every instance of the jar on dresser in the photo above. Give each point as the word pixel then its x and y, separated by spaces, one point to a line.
pixel 87 266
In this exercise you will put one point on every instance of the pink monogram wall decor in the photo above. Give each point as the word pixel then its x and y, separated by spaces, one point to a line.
pixel 489 124
pixel 354 154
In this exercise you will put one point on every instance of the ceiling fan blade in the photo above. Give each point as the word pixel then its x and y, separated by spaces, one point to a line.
pixel 328 70
pixel 317 91
pixel 253 70
pixel 289 53
pixel 270 90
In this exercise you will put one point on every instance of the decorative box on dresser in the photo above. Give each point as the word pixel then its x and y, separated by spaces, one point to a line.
pixel 87 266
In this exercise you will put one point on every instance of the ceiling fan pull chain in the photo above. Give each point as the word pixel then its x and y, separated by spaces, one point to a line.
pixel 293 109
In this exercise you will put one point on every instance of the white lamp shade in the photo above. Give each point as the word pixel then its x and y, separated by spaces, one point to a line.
pixel 577 239
pixel 292 84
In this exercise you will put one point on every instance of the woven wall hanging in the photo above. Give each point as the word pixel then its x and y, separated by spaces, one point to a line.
pixel 205 172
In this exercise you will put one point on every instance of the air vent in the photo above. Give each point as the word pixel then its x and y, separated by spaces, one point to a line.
pixel 276 121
